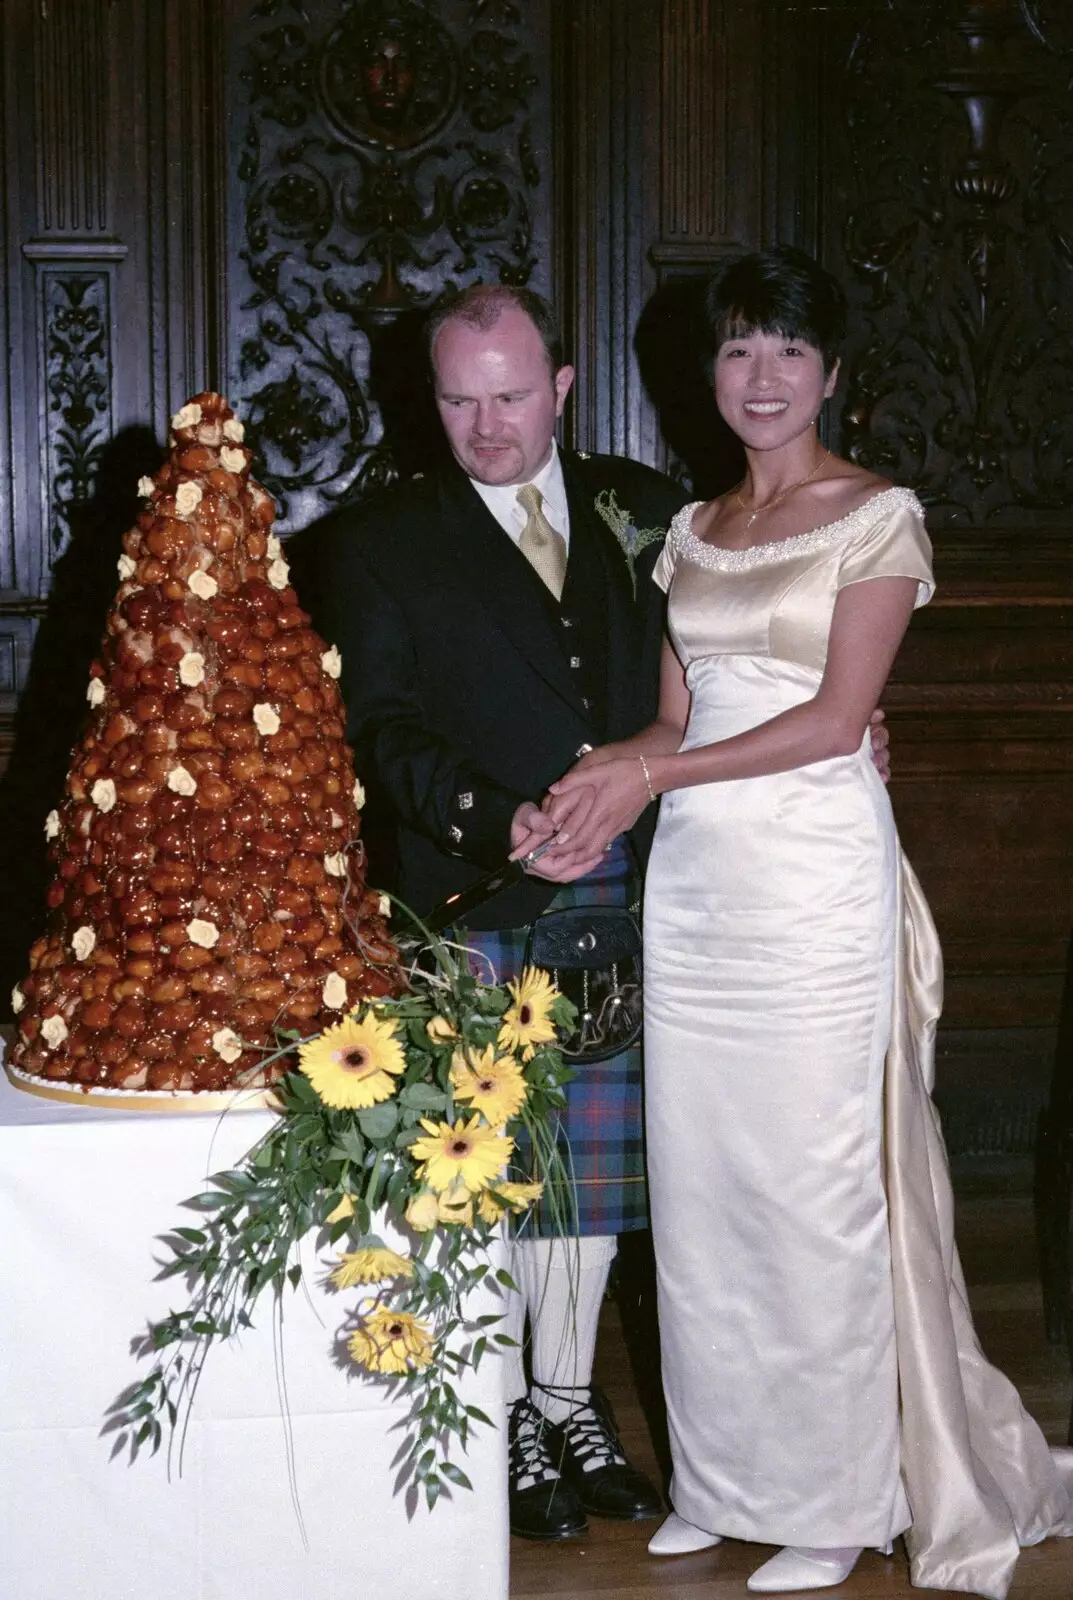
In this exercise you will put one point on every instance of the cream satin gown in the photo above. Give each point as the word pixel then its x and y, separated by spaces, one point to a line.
pixel 824 1384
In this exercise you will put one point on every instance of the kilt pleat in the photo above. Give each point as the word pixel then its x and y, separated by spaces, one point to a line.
pixel 601 1132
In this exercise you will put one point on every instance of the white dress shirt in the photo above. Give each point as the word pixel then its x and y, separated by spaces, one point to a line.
pixel 502 499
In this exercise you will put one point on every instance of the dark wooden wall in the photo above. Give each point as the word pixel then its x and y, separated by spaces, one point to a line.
pixel 223 192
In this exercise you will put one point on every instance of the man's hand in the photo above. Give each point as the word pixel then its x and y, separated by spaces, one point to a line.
pixel 880 744
pixel 530 829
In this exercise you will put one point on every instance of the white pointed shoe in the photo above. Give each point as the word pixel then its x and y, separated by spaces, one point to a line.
pixel 793 1570
pixel 677 1537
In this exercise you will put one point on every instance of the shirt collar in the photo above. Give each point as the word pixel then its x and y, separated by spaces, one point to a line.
pixel 502 499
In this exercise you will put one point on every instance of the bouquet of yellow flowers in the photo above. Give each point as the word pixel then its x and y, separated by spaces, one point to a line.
pixel 415 1108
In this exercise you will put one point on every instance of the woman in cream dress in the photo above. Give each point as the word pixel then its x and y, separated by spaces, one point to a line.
pixel 825 1390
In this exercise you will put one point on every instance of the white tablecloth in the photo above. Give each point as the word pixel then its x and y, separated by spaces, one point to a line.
pixel 83 1195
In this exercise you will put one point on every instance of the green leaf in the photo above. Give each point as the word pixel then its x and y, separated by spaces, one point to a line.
pixel 432 1491
pixel 208 1202
pixel 455 1475
pixel 191 1235
pixel 479 1416
pixel 351 1143
pixel 423 1097
pixel 378 1122
pixel 504 1277
pixel 294 1275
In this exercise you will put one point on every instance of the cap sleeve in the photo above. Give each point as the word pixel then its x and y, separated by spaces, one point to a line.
pixel 667 560
pixel 893 544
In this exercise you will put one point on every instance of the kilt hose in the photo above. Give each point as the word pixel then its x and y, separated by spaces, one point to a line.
pixel 601 1132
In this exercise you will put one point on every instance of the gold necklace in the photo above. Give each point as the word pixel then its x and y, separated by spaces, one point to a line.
pixel 782 494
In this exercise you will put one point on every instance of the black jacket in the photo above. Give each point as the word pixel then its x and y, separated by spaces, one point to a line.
pixel 466 686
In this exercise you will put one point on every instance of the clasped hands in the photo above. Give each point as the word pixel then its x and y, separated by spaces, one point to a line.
pixel 600 798
pixel 583 813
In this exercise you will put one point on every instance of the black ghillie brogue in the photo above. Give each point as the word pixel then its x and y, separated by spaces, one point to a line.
pixel 542 1504
pixel 589 1454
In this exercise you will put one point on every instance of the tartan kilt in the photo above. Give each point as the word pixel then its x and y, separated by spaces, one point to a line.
pixel 602 1128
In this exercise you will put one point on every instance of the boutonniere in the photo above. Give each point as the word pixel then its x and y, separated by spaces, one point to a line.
pixel 631 538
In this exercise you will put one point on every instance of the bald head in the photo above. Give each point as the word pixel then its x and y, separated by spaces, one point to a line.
pixel 498 392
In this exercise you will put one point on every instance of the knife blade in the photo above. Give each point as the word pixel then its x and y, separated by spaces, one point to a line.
pixel 457 907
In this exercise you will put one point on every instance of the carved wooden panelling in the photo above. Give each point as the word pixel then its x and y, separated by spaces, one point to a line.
pixel 76 349
pixel 956 218
pixel 75 172
pixel 385 152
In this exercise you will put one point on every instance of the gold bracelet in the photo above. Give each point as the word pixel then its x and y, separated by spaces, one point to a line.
pixel 648 778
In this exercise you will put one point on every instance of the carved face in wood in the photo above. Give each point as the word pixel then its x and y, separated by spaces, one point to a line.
pixel 769 389
pixel 497 397
pixel 388 74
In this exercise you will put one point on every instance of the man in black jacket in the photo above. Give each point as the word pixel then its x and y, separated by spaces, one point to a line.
pixel 495 620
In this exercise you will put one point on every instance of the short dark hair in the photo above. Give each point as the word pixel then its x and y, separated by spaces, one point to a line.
pixel 781 291
pixel 482 306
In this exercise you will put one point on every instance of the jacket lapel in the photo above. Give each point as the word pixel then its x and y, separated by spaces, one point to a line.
pixel 497 575
pixel 611 599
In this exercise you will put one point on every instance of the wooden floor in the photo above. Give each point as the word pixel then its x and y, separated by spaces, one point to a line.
pixel 995 1238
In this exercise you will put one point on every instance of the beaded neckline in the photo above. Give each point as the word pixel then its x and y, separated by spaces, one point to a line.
pixel 719 559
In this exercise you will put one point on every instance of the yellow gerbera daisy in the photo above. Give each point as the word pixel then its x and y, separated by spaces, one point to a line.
pixel 343 1211
pixel 519 1196
pixel 489 1208
pixel 492 1084
pixel 391 1342
pixel 440 1030
pixel 527 1022
pixel 351 1064
pixel 423 1212
pixel 456 1205
pixel 462 1150
pixel 370 1265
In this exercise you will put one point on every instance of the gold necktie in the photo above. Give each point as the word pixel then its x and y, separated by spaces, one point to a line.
pixel 542 547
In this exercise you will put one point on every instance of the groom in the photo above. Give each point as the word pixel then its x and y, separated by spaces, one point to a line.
pixel 491 630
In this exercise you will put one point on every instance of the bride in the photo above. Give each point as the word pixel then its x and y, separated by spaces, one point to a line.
pixel 825 1390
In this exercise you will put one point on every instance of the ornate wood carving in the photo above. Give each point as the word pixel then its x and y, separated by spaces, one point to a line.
pixel 76 316
pixel 391 151
pixel 958 230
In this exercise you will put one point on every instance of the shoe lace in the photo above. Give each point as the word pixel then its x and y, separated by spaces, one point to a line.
pixel 591 1437
pixel 530 1459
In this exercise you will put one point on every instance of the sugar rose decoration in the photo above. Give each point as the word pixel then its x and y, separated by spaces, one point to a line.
pixel 53 1031
pixel 192 669
pixel 193 923
pixel 103 794
pixel 182 782
pixel 266 719
pixel 227 1044
pixel 332 662
pixel 188 498
pixel 335 991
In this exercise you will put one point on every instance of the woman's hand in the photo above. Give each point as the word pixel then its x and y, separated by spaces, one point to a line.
pixel 618 793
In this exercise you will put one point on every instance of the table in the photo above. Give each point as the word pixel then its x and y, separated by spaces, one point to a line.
pixel 84 1193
